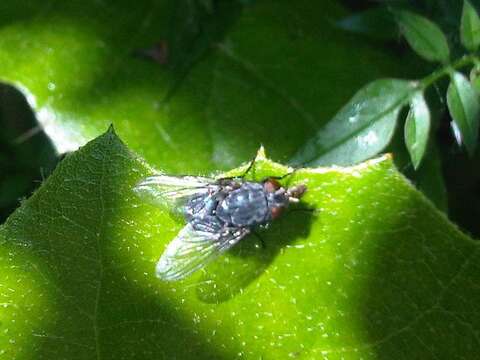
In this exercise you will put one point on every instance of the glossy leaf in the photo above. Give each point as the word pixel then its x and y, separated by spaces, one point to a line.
pixel 175 77
pixel 464 107
pixel 361 129
pixel 417 128
pixel 424 36
pixel 374 268
pixel 470 27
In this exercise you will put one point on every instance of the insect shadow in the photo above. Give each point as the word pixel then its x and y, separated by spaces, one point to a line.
pixel 235 270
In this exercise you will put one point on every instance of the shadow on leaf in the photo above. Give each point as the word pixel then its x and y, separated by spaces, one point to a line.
pixel 234 272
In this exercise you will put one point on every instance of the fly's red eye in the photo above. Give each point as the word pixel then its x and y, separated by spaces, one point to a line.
pixel 271 185
pixel 276 212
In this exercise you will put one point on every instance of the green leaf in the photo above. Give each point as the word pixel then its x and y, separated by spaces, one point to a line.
pixel 470 27
pixel 475 78
pixel 424 36
pixel 78 64
pixel 374 268
pixel 417 128
pixel 361 129
pixel 464 107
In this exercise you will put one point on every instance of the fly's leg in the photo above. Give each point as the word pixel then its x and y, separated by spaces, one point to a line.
pixel 259 238
pixel 251 167
pixel 281 177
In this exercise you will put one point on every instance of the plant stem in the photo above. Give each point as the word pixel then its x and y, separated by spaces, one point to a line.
pixel 446 70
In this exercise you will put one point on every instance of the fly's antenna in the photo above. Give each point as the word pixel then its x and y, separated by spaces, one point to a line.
pixel 296 192
pixel 251 166
pixel 257 235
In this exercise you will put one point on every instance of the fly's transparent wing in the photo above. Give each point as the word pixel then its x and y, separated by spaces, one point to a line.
pixel 173 191
pixel 193 249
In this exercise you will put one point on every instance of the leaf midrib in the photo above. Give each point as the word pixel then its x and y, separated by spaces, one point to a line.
pixel 360 129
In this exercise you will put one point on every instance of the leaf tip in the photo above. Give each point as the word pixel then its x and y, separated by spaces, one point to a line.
pixel 261 155
pixel 111 129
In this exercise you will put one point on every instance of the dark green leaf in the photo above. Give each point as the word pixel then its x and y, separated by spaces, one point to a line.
pixel 417 128
pixel 361 129
pixel 78 63
pixel 424 36
pixel 377 23
pixel 475 78
pixel 464 107
pixel 470 27
pixel 375 268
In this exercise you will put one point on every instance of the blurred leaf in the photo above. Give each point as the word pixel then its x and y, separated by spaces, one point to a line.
pixel 470 27
pixel 377 267
pixel 77 62
pixel 424 36
pixel 377 23
pixel 361 129
pixel 475 78
pixel 417 129
pixel 464 107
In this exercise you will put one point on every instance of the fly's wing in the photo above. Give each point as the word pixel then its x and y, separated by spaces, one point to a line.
pixel 193 249
pixel 173 191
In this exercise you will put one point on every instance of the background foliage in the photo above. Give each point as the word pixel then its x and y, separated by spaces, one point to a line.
pixel 195 87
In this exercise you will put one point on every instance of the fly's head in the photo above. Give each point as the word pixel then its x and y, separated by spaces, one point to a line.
pixel 296 192
pixel 279 198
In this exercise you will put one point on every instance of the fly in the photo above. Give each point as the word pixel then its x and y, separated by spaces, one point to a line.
pixel 219 213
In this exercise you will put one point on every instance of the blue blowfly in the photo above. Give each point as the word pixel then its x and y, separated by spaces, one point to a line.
pixel 219 213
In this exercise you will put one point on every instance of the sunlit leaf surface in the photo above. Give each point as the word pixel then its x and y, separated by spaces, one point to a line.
pixel 375 272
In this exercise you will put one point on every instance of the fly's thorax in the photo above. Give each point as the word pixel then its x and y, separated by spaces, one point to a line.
pixel 245 206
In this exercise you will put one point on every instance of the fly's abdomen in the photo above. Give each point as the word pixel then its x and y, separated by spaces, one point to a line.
pixel 246 206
